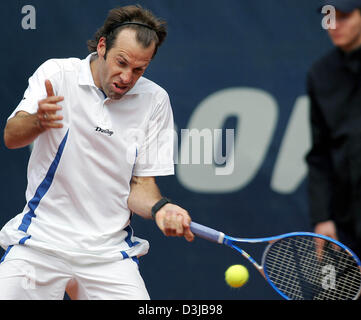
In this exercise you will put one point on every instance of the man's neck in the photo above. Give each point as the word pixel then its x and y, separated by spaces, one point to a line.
pixel 94 68
pixel 354 46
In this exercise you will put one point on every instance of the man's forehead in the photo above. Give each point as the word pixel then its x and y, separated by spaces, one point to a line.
pixel 132 59
pixel 126 44
pixel 127 34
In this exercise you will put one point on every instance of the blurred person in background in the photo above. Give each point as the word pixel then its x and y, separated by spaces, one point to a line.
pixel 334 161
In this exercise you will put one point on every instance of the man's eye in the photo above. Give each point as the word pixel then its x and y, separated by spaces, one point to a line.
pixel 121 63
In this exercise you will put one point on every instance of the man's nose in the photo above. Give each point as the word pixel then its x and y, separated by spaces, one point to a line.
pixel 126 77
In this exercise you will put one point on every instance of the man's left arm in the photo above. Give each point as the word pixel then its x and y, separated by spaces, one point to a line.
pixel 171 219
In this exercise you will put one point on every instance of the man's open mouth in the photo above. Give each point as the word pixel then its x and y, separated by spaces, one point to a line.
pixel 119 88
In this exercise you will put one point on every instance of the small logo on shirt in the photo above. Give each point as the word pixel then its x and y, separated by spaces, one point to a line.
pixel 104 131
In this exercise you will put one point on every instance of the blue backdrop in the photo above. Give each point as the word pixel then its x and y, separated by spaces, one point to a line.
pixel 234 64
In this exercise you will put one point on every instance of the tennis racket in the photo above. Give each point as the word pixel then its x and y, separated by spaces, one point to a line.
pixel 300 265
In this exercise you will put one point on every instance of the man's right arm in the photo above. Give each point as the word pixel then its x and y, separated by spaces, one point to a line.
pixel 24 128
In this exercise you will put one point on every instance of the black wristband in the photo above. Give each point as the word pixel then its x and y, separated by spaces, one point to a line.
pixel 160 204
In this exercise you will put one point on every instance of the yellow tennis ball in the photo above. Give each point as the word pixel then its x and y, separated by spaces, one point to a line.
pixel 236 276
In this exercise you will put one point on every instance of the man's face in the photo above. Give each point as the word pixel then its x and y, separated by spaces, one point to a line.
pixel 347 34
pixel 124 64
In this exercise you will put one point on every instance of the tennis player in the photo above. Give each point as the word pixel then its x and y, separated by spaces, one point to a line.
pixel 96 126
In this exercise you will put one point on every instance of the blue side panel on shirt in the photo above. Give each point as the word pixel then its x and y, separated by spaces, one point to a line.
pixel 130 243
pixel 128 239
pixel 23 240
pixel 5 254
pixel 136 260
pixel 43 188
pixel 124 254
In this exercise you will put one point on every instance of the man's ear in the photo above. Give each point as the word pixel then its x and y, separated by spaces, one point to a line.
pixel 102 48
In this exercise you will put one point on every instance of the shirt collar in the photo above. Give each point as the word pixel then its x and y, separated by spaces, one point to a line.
pixel 352 54
pixel 352 60
pixel 85 75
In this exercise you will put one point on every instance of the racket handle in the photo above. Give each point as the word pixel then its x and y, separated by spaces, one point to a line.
pixel 207 233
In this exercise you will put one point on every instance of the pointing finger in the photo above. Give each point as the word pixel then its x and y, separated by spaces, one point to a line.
pixel 49 88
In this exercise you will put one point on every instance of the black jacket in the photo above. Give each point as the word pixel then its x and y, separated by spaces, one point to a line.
pixel 334 87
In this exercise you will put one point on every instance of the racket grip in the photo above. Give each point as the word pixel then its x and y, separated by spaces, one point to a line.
pixel 207 233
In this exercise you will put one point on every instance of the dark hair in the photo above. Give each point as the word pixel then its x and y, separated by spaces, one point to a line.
pixel 145 35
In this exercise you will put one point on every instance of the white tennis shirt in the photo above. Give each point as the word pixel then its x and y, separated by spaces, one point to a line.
pixel 79 176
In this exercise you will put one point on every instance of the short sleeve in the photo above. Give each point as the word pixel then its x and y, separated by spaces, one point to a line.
pixel 155 155
pixel 36 91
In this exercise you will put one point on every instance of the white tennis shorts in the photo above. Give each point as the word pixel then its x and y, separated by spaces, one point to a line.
pixel 28 274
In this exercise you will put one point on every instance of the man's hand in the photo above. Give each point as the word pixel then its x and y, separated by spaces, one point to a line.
pixel 327 228
pixel 24 128
pixel 47 109
pixel 171 219
pixel 174 221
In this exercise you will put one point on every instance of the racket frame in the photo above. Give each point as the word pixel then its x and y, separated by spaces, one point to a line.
pixel 221 238
pixel 231 242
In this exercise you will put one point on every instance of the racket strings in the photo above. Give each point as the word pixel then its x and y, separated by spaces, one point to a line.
pixel 306 268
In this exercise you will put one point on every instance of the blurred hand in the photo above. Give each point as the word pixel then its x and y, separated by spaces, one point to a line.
pixel 174 221
pixel 327 228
